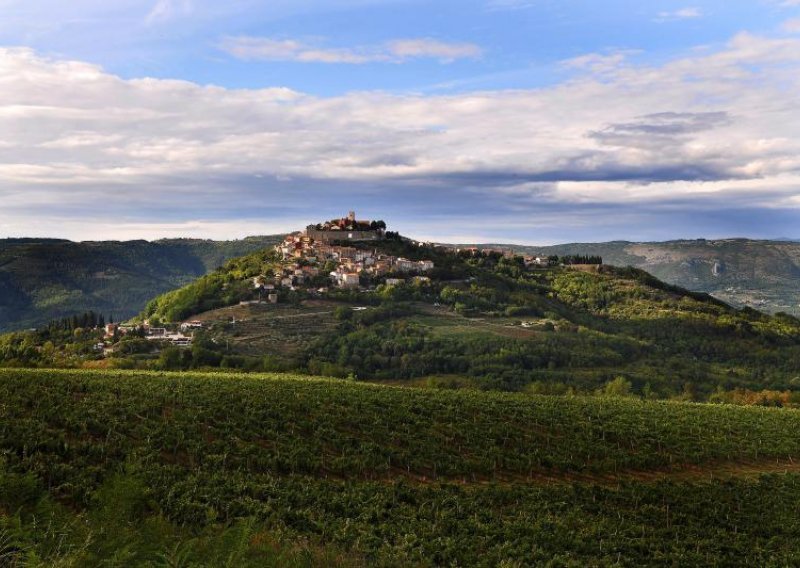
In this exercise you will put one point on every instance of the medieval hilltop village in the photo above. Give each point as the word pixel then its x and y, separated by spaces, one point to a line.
pixel 307 257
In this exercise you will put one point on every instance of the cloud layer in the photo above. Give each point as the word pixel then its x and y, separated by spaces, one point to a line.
pixel 396 51
pixel 711 132
pixel 689 13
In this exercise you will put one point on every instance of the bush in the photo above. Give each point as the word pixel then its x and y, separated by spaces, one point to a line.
pixel 619 387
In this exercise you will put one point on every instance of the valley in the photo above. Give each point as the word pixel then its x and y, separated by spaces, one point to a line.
pixel 46 279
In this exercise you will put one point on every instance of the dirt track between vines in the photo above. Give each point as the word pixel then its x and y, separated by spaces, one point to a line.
pixel 688 473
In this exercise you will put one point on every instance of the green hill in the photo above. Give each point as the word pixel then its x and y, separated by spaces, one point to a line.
pixel 42 279
pixel 743 272
pixel 490 323
pixel 211 469
pixel 485 322
pixel 45 279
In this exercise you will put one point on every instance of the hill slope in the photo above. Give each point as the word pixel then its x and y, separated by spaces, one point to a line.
pixel 760 274
pixel 483 321
pixel 137 468
pixel 44 279
pixel 497 324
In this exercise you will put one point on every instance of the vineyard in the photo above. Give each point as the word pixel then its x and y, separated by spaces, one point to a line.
pixel 279 330
pixel 168 469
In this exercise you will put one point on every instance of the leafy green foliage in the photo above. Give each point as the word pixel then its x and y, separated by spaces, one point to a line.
pixel 486 317
pixel 739 271
pixel 225 286
pixel 136 468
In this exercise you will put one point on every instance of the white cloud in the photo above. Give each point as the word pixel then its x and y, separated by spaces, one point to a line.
pixel 599 62
pixel 791 26
pixel 689 13
pixel 426 47
pixel 164 10
pixel 258 48
pixel 721 126
pixel 101 229
pixel 511 4
pixel 269 49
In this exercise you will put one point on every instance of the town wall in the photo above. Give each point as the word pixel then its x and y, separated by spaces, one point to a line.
pixel 343 235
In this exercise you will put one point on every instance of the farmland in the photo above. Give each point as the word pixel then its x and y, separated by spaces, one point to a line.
pixel 279 330
pixel 260 469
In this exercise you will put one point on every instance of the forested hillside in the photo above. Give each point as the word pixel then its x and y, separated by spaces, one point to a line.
pixel 761 274
pixel 44 279
pixel 481 321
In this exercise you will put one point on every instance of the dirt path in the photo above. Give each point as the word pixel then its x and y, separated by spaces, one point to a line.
pixel 696 473
pixel 310 314
pixel 689 473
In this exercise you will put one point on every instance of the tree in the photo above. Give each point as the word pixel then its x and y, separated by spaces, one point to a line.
pixel 619 387
pixel 170 359
pixel 343 313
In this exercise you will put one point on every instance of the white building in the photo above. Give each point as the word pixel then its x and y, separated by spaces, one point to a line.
pixel 346 279
pixel 405 265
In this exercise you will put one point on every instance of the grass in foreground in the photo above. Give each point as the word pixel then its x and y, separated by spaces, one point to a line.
pixel 249 469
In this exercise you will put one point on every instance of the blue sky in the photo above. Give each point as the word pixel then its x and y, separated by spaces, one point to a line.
pixel 533 121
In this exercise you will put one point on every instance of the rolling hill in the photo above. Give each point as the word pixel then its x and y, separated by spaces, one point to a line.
pixel 141 468
pixel 761 274
pixel 383 444
pixel 482 321
pixel 44 279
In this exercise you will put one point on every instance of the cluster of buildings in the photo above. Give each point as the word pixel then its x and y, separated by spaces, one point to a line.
pixel 538 261
pixel 289 276
pixel 347 229
pixel 530 261
pixel 317 247
pixel 182 337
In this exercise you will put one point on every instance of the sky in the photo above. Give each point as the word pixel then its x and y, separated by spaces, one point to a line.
pixel 518 121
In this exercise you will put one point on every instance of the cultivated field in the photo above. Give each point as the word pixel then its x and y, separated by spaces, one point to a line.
pixel 291 470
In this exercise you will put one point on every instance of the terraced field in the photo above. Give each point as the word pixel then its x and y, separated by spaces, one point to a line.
pixel 260 469
pixel 267 328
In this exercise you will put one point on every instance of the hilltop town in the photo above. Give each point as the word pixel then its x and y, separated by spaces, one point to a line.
pixel 339 251
pixel 325 249
pixel 324 256
pixel 336 260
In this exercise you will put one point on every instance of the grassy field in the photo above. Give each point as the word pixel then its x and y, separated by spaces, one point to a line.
pixel 266 328
pixel 210 469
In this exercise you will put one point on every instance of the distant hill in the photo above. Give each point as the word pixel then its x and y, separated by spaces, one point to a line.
pixel 42 279
pixel 474 320
pixel 761 274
